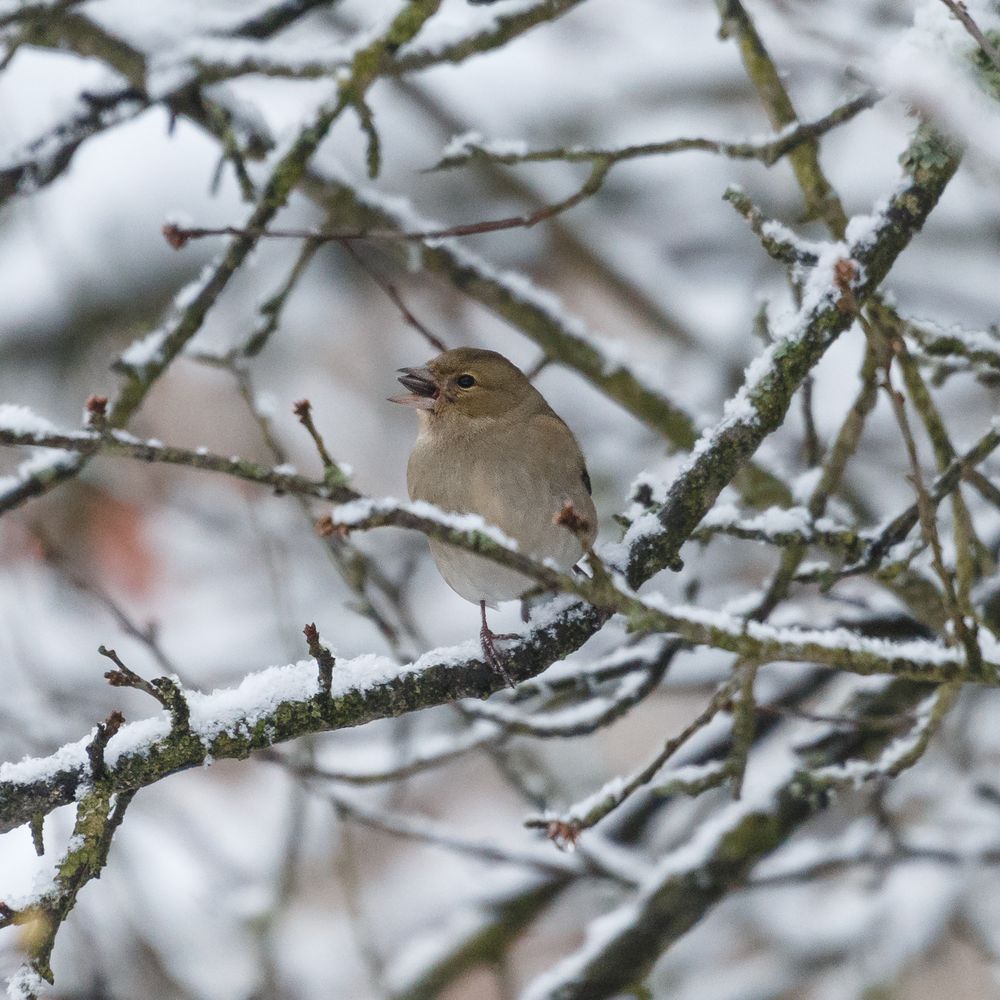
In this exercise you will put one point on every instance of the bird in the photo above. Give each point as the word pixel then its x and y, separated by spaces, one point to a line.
pixel 489 444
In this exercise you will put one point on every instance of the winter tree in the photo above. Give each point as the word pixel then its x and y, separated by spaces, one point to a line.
pixel 748 250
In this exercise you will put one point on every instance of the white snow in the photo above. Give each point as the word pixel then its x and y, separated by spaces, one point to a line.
pixel 22 420
pixel 41 465
pixel 357 512
pixel 144 351
pixel 469 142
pixel 71 757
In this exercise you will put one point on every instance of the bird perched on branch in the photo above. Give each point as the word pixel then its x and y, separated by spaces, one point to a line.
pixel 489 444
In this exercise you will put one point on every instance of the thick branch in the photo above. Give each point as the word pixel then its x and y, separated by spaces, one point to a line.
pixel 759 407
pixel 282 704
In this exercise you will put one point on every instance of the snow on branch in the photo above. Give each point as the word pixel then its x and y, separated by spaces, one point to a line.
pixel 756 641
pixel 147 360
pixel 880 544
pixel 784 526
pixel 103 770
pixel 839 284
pixel 18 426
pixel 44 158
pixel 502 30
pixel 978 349
pixel 621 946
pixel 274 705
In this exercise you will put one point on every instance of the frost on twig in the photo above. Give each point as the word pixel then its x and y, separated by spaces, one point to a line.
pixel 19 427
pixel 760 405
pixel 467 147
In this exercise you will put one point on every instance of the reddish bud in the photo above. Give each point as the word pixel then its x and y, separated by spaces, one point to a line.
pixel 175 236
pixel 844 272
pixel 326 528
pixel 113 723
pixel 564 835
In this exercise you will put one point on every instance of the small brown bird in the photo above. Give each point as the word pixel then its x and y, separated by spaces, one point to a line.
pixel 489 444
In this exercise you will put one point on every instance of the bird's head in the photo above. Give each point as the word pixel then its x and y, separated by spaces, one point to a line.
pixel 469 382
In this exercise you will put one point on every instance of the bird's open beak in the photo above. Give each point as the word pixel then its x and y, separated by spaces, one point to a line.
pixel 423 388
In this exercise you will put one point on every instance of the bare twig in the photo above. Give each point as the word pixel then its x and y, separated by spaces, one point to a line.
pixel 325 660
pixel 179 236
pixel 165 690
pixel 147 635
pixel 333 475
pixel 964 625
pixel 767 153
pixel 393 295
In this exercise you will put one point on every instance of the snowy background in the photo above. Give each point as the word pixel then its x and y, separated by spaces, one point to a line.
pixel 239 880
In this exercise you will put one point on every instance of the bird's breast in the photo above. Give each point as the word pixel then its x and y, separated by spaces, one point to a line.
pixel 513 482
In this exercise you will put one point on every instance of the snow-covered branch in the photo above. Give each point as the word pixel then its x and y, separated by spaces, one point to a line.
pixel 18 426
pixel 842 280
pixel 278 704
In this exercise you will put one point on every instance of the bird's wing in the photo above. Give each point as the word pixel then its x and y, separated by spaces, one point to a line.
pixel 522 479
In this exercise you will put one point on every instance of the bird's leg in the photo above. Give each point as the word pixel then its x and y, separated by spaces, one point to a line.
pixel 487 638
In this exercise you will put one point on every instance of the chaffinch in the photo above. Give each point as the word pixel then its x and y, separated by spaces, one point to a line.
pixel 489 444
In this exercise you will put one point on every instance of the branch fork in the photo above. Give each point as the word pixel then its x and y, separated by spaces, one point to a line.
pixel 164 689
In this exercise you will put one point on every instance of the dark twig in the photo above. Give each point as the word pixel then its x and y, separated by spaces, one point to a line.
pixel 276 18
pixel 813 448
pixel 393 295
pixel 95 748
pixel 325 660
pixel 166 691
pixel 964 625
pixel 179 236
pixel 333 475
pixel 767 153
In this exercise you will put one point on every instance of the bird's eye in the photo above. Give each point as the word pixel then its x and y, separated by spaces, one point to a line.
pixel 465 381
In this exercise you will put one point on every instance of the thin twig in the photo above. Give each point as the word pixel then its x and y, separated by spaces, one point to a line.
pixel 393 295
pixel 179 236
pixel 147 635
pixel 928 527
pixel 961 12
pixel 767 152
pixel 332 473
pixel 565 827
